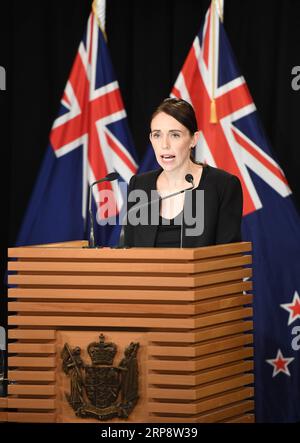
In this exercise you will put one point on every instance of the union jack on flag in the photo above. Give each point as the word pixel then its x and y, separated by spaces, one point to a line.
pixel 89 139
pixel 232 138
pixel 209 75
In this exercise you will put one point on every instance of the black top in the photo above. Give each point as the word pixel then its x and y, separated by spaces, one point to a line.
pixel 221 211
pixel 168 233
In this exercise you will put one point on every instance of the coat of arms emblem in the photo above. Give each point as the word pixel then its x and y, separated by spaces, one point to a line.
pixel 101 390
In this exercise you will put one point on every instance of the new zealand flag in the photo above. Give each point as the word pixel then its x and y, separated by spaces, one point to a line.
pixel 89 139
pixel 232 139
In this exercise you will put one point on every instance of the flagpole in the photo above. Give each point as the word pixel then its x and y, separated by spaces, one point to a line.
pixel 213 111
pixel 216 6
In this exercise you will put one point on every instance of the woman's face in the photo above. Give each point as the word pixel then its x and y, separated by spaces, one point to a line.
pixel 171 142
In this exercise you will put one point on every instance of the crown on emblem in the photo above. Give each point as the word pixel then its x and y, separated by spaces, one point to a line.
pixel 102 353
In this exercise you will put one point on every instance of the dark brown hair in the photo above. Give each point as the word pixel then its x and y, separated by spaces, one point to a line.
pixel 182 111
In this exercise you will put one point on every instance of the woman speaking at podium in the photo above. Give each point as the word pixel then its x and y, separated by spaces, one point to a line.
pixel 207 206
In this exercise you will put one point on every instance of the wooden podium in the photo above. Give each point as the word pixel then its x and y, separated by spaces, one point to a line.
pixel 188 309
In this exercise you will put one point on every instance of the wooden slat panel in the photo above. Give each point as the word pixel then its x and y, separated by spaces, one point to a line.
pixel 202 377
pixel 31 390
pixel 143 281
pixel 154 418
pixel 76 251
pixel 227 412
pixel 98 267
pixel 201 363
pixel 104 294
pixel 35 334
pixel 203 404
pixel 220 289
pixel 247 418
pixel 31 348
pixel 31 417
pixel 202 334
pixel 101 321
pixel 221 276
pixel 222 317
pixel 31 403
pixel 3 402
pixel 203 349
pixel 18 375
pixel 219 303
pixel 215 290
pixel 219 250
pixel 143 308
pixel 216 415
pixel 164 268
pixel 159 322
pixel 32 362
pixel 3 416
pixel 203 391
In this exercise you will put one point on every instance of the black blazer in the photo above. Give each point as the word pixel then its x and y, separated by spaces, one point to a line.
pixel 223 203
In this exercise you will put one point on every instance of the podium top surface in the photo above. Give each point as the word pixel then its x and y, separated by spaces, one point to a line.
pixel 79 250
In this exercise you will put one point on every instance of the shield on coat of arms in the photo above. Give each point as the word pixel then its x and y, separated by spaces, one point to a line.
pixel 102 385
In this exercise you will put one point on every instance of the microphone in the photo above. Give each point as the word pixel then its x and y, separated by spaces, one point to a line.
pixel 189 178
pixel 109 178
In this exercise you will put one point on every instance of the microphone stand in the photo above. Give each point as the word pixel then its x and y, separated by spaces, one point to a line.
pixel 92 230
pixel 110 177
pixel 189 178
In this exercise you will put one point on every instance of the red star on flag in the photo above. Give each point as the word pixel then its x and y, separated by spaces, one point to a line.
pixel 280 364
pixel 293 308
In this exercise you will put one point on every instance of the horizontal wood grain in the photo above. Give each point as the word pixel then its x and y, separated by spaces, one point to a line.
pixel 198 266
pixel 32 390
pixel 75 250
pixel 207 390
pixel 214 290
pixel 206 376
pixel 31 403
pixel 3 416
pixel 128 322
pixel 212 416
pixel 202 405
pixel 206 348
pixel 31 348
pixel 226 412
pixel 203 334
pixel 208 361
pixel 32 362
pixel 38 376
pixel 31 417
pixel 137 308
pixel 245 418
pixel 189 281
pixel 146 322
pixel 35 334
pixel 3 402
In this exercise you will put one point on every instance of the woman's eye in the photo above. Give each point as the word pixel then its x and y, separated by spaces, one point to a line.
pixel 155 135
pixel 175 135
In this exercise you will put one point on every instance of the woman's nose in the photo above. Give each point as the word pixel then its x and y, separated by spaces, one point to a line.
pixel 165 142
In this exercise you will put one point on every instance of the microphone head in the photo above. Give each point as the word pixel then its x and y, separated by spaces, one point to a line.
pixel 189 178
pixel 112 176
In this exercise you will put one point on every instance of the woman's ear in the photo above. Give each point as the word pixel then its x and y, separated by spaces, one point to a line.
pixel 196 138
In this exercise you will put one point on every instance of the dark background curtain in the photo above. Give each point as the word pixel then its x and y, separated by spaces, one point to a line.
pixel 148 42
